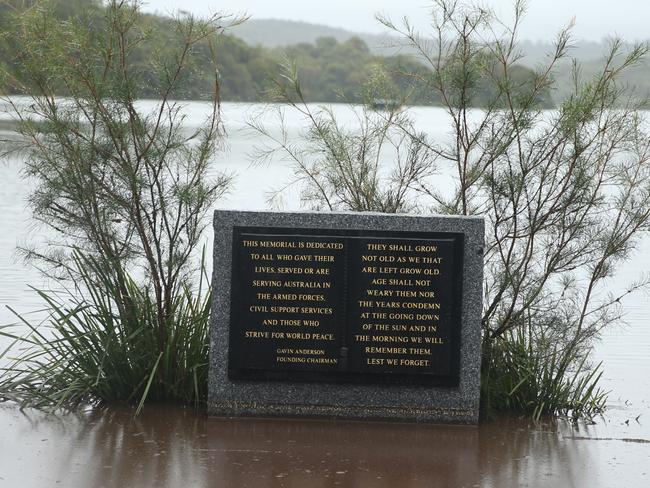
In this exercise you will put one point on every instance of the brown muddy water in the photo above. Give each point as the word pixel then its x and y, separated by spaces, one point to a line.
pixel 176 447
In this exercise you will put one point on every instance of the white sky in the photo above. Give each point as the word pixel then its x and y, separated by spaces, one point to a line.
pixel 595 19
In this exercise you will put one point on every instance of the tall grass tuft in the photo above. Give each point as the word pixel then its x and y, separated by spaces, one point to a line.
pixel 90 351
pixel 529 374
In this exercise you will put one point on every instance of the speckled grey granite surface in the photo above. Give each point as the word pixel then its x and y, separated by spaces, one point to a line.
pixel 408 403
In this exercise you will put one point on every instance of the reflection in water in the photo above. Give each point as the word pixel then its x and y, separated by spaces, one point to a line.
pixel 176 447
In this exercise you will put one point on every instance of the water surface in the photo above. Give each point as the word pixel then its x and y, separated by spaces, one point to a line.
pixel 174 447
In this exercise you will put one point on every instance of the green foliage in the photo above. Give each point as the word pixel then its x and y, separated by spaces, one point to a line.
pixel 87 353
pixel 273 33
pixel 524 373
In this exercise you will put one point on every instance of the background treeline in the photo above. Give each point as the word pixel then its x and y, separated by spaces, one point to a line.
pixel 329 70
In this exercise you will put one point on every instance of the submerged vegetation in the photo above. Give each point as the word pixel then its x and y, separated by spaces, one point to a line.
pixel 85 352
pixel 528 374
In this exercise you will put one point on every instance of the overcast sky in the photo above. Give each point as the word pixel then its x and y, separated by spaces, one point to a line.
pixel 595 19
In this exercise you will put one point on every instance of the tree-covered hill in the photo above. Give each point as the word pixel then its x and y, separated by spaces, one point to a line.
pixel 330 70
pixel 273 33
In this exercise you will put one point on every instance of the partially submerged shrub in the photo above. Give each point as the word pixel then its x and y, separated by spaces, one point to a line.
pixel 124 187
pixel 565 193
pixel 534 375
pixel 86 351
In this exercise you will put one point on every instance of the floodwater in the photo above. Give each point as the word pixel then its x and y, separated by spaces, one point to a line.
pixel 176 447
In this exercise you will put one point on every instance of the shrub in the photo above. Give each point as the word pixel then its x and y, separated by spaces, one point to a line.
pixel 86 353
pixel 125 187
pixel 565 193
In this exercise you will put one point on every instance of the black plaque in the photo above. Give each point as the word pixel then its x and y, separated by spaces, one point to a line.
pixel 345 306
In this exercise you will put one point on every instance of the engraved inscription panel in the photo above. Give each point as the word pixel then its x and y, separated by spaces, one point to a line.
pixel 400 306
pixel 289 292
pixel 340 305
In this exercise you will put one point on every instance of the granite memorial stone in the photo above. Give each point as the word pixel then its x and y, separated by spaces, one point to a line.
pixel 350 315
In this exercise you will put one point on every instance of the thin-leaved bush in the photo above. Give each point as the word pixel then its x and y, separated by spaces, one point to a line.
pixel 124 187
pixel 565 193
pixel 338 166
